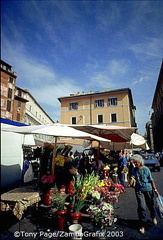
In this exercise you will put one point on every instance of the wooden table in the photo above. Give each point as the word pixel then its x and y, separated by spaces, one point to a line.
pixel 19 199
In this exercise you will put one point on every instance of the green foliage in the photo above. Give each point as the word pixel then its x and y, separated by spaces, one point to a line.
pixel 58 200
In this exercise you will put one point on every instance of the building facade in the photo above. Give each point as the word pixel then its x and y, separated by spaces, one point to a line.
pixel 157 115
pixel 149 135
pixel 111 107
pixel 19 105
pixel 8 81
pixel 35 115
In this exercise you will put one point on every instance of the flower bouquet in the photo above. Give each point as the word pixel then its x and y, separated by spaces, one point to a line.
pixel 82 186
pixel 111 197
pixel 47 182
pixel 60 160
pixel 94 197
pixel 118 188
pixel 102 214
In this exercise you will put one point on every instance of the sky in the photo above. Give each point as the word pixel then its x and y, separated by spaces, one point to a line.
pixel 62 47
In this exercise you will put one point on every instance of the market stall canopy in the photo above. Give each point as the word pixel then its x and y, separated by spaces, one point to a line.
pixel 136 141
pixel 27 140
pixel 113 133
pixel 56 130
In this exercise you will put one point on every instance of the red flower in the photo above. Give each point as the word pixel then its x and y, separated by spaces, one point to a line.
pixel 48 179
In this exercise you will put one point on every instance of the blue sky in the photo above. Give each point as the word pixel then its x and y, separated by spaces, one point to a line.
pixel 63 47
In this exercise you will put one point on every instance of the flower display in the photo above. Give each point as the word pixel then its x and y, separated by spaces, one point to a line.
pixel 95 194
pixel 102 190
pixel 119 188
pixel 82 186
pixel 48 179
pixel 111 197
pixel 60 160
pixel 104 183
pixel 94 197
pixel 101 214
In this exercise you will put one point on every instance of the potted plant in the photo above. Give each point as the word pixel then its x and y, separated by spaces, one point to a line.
pixel 58 200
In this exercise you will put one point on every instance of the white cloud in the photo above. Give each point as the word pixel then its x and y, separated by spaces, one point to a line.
pixel 107 75
pixel 118 67
pixel 149 48
pixel 140 80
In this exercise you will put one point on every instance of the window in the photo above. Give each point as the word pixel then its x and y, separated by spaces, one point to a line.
pixel 9 93
pixel 11 79
pixel 73 106
pixel 19 104
pixel 112 101
pixel 113 117
pixel 19 93
pixel 73 120
pixel 100 118
pixel 8 106
pixel 99 103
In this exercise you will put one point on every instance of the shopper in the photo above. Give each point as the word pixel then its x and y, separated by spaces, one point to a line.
pixel 122 165
pixel 144 190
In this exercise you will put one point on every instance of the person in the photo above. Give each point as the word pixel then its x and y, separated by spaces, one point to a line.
pixel 144 191
pixel 98 166
pixel 122 164
pixel 84 166
pixel 130 166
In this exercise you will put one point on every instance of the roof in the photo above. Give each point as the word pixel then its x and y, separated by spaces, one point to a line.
pixel 5 63
pixel 38 104
pixel 105 92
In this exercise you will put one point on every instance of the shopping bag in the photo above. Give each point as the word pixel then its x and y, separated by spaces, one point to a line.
pixel 159 206
pixel 132 182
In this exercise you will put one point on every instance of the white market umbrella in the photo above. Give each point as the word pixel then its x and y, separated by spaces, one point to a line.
pixel 56 130
pixel 113 133
pixel 119 135
pixel 139 141
pixel 136 141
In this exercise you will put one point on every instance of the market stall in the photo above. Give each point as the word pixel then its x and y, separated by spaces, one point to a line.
pixel 85 197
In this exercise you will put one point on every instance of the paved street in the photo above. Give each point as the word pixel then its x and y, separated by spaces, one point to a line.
pixel 127 214
pixel 126 226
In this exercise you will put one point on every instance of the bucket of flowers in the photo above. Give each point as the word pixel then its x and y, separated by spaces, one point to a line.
pixel 58 200
pixel 102 215
pixel 47 183
pixel 82 186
